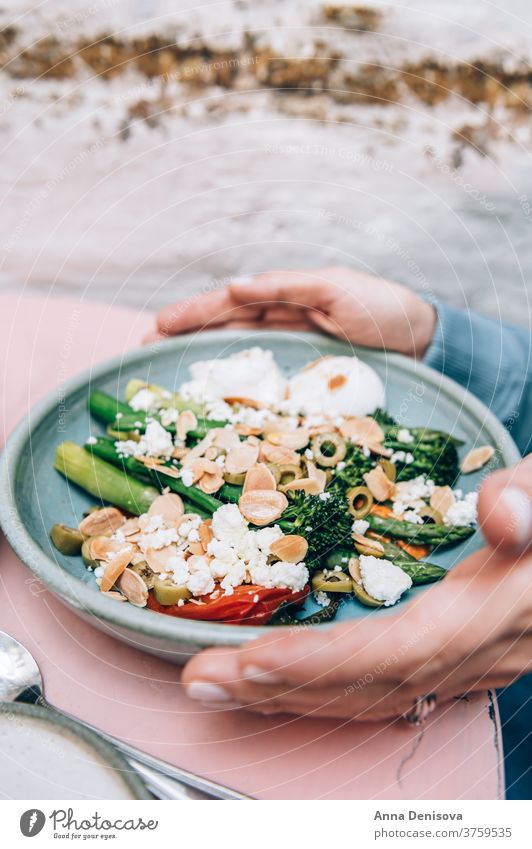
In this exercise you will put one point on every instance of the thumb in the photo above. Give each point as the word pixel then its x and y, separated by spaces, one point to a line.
pixel 304 289
pixel 505 506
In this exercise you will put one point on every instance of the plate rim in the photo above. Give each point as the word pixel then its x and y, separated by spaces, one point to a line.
pixel 75 593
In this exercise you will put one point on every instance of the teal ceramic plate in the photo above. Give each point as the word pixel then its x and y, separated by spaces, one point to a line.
pixel 34 496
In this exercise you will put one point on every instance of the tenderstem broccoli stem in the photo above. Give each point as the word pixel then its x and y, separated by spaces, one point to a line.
pixel 106 450
pixel 104 407
pixel 165 398
pixel 102 479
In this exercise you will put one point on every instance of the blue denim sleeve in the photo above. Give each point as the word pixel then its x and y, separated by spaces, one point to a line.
pixel 492 360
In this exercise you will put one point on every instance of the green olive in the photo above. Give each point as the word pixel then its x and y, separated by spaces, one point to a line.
pixel 167 593
pixel 389 468
pixel 86 554
pixel 328 449
pixel 430 516
pixel 332 582
pixel 147 574
pixel 67 540
pixel 289 472
pixel 358 590
pixel 237 478
pixel 359 501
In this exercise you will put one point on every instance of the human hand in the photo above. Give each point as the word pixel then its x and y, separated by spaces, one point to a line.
pixel 472 631
pixel 355 306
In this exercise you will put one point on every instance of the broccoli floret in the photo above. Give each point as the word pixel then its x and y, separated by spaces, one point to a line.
pixel 434 453
pixel 352 473
pixel 324 522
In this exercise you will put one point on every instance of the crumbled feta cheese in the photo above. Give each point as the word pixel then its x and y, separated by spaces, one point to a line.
pixel 158 539
pixel 322 598
pixel 463 511
pixel 156 441
pixel 293 576
pixel 365 450
pixel 228 523
pixel 324 496
pixel 404 435
pixel 91 440
pixel 309 454
pixel 410 495
pixel 187 476
pixel 360 526
pixel 169 416
pixel 382 579
pixel 200 581
pixel 178 569
pixel 402 457
pixel 265 537
pixel 341 465
pixel 98 572
pixel 413 517
pixel 145 400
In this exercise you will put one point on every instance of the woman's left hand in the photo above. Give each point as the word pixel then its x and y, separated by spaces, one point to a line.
pixel 472 631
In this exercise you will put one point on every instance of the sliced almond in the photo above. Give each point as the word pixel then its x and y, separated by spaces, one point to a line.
pixel 169 506
pixel 474 459
pixel 196 549
pixel 115 567
pixel 186 518
pixel 116 596
pixel 210 483
pixel 247 430
pixel 104 521
pixel 201 466
pixel 241 459
pixel 246 402
pixel 212 452
pixel 442 499
pixel 376 448
pixel 104 548
pixel 293 439
pixel 362 429
pixel 259 476
pixel 205 533
pixel 291 547
pixel 186 421
pixel 130 527
pixel 157 558
pixel 200 448
pixel 308 485
pixel 152 464
pixel 381 487
pixel 262 506
pixel 318 475
pixel 226 437
pixel 133 587
pixel 277 454
pixel 366 545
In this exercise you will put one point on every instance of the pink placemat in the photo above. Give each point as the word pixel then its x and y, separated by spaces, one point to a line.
pixel 138 697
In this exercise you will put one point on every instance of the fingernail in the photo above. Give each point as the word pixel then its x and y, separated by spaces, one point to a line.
pixel 205 691
pixel 519 507
pixel 260 676
pixel 242 281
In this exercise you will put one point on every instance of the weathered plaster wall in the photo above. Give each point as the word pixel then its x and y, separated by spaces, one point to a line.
pixel 151 146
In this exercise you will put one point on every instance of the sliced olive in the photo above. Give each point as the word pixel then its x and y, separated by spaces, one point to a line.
pixel 328 449
pixel 430 516
pixel 358 589
pixel 86 554
pixel 237 478
pixel 389 468
pixel 166 592
pixel 359 501
pixel 332 582
pixel 275 470
pixel 289 472
pixel 67 540
pixel 147 574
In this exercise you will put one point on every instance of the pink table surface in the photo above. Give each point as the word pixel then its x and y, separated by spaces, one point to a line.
pixel 138 697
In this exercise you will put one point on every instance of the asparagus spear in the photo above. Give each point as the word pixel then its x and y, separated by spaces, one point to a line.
pixel 425 534
pixel 102 480
pixel 421 571
pixel 104 407
pixel 164 397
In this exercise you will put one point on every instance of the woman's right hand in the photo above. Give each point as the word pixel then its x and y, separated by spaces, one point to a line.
pixel 352 305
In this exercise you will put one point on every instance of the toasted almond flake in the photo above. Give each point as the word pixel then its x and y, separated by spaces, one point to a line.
pixel 259 476
pixel 226 438
pixel 247 430
pixel 442 499
pixel 308 485
pixel 179 452
pixel 205 533
pixel 201 466
pixel 130 527
pixel 318 475
pixel 186 421
pixel 157 559
pixel 362 429
pixel 262 506
pixel 169 506
pixel 201 447
pixel 152 464
pixel 116 596
pixel 115 567
pixel 133 587
pixel 336 382
pixel 196 549
pixel 376 448
pixel 212 452
pixel 210 483
pixel 381 487
pixel 476 458
pixel 137 557
pixel 372 545
pixel 104 548
pixel 246 402
pixel 292 548
pixel 294 439
pixel 185 519
pixel 104 521
pixel 277 454
pixel 239 460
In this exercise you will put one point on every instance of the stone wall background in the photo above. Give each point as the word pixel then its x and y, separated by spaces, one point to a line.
pixel 149 147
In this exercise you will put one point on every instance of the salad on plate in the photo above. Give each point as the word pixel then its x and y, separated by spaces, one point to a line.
pixel 245 492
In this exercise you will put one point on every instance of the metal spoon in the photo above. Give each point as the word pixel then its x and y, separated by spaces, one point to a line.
pixel 21 681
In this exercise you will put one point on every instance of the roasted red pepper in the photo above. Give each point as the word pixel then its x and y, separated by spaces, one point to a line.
pixel 248 605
